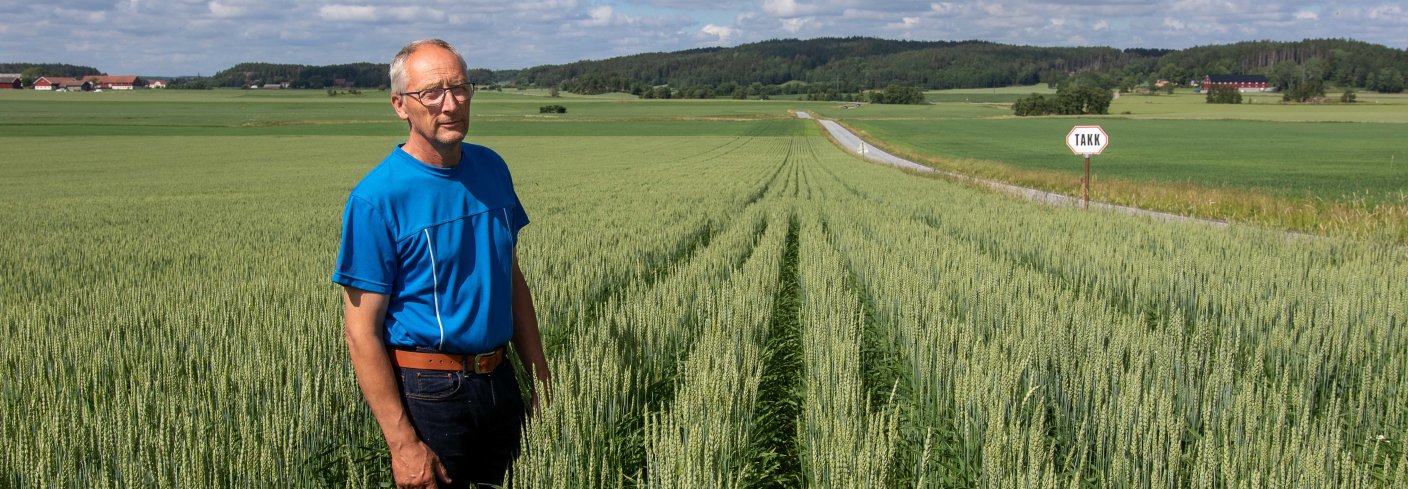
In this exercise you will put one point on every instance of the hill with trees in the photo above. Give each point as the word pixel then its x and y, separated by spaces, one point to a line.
pixel 862 68
pixel 32 71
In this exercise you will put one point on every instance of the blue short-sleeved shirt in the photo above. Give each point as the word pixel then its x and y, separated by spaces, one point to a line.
pixel 439 242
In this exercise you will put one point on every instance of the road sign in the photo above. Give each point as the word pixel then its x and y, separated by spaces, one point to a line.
pixel 1087 140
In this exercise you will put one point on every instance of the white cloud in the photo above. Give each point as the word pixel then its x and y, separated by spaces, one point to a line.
pixel 82 16
pixel 720 34
pixel 221 10
pixel 600 16
pixel 794 25
pixel 786 8
pixel 945 8
pixel 355 13
pixel 174 37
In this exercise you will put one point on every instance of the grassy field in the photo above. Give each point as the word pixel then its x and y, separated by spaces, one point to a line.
pixel 1332 168
pixel 727 299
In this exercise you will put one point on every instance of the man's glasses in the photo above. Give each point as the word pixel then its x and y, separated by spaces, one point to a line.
pixel 434 97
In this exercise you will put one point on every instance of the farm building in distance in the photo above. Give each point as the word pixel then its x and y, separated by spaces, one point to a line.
pixel 62 83
pixel 121 82
pixel 10 81
pixel 1244 83
pixel 91 82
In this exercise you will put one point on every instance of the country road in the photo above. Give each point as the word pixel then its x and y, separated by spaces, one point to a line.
pixel 848 140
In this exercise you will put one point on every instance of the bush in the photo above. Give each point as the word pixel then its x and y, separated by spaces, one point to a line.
pixel 1348 96
pixel 1224 94
pixel 896 94
pixel 552 109
pixel 1304 91
pixel 1070 100
pixel 1035 104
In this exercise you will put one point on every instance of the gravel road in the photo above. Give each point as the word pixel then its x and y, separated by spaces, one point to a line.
pixel 856 145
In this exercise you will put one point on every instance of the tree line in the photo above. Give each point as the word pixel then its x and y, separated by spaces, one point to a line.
pixel 29 72
pixel 855 67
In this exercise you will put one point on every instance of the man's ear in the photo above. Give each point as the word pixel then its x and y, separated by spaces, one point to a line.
pixel 398 103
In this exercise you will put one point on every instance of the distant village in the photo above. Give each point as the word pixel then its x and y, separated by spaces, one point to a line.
pixel 1243 83
pixel 91 83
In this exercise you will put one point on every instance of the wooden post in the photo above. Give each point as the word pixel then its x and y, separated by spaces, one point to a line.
pixel 1087 182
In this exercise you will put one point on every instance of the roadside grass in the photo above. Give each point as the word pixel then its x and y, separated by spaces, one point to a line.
pixel 1330 161
pixel 1381 216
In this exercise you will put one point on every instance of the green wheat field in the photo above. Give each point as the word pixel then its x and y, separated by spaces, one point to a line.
pixel 727 299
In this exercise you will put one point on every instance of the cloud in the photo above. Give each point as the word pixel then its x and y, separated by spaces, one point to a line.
pixel 718 33
pixel 600 16
pixel 792 26
pixel 221 10
pixel 82 16
pixel 174 37
pixel 786 8
pixel 342 13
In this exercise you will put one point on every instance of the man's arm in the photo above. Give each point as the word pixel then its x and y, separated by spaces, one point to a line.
pixel 526 339
pixel 413 464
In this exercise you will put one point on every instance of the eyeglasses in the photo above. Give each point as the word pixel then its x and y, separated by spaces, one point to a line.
pixel 433 97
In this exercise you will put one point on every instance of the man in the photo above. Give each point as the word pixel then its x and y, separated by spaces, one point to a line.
pixel 432 287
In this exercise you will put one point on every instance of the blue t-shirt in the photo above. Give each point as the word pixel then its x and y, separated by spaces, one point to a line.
pixel 439 242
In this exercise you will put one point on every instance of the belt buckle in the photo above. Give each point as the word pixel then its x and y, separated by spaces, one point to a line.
pixel 479 362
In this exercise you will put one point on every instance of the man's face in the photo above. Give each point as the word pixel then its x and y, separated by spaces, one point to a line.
pixel 446 125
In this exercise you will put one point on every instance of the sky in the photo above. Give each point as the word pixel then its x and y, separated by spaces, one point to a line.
pixel 189 37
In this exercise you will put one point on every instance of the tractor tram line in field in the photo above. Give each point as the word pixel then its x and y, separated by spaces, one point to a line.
pixel 743 308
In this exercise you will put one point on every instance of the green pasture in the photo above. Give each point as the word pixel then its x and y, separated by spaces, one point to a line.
pixel 1324 151
pixel 1321 159
pixel 313 112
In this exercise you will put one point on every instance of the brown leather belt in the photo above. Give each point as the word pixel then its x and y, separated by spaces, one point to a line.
pixel 482 363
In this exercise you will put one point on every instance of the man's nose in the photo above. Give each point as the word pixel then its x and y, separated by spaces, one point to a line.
pixel 451 103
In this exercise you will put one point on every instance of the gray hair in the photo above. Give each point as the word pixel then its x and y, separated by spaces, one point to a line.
pixel 398 64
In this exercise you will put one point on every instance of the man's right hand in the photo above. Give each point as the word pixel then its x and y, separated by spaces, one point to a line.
pixel 416 466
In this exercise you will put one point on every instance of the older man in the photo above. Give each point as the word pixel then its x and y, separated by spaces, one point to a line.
pixel 433 291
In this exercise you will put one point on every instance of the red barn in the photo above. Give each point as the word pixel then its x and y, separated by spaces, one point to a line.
pixel 62 83
pixel 10 81
pixel 124 82
pixel 1244 83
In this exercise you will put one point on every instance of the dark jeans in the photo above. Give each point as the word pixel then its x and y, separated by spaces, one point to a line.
pixel 471 421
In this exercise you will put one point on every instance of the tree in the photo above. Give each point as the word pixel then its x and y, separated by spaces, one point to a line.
pixel 1316 69
pixel 1304 91
pixel 1070 100
pixel 29 75
pixel 1224 94
pixel 1286 75
pixel 1387 80
pixel 553 92
pixel 893 94
pixel 1348 96
pixel 1035 104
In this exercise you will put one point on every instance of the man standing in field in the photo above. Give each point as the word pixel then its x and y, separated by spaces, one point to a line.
pixel 433 291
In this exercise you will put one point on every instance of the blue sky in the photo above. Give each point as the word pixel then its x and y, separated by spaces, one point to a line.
pixel 184 37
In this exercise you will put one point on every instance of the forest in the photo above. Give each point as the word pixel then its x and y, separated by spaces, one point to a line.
pixel 862 67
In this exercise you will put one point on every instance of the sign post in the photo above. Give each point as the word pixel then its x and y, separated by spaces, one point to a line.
pixel 1086 141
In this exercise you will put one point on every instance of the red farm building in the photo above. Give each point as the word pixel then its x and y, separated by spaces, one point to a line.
pixel 62 83
pixel 1244 83
pixel 124 82
pixel 10 81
